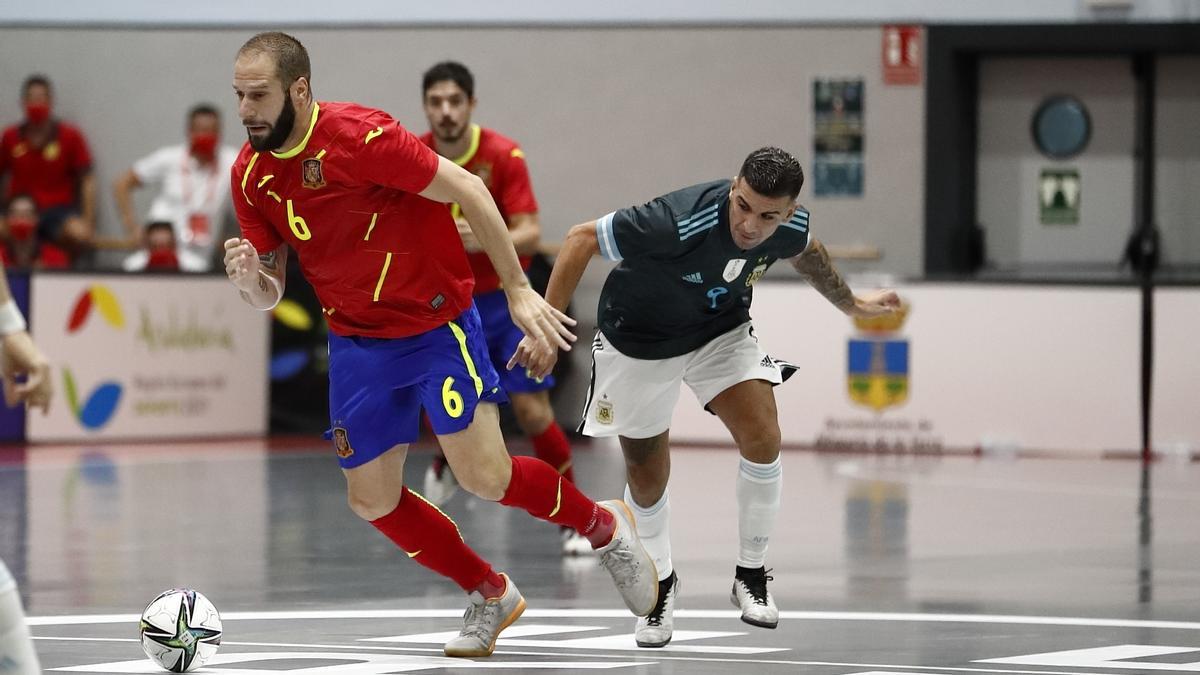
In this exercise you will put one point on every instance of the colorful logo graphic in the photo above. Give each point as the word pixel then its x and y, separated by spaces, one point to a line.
pixel 100 405
pixel 877 374
pixel 103 300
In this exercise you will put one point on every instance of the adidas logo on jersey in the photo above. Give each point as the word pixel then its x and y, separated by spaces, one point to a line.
pixel 694 278
pixel 767 362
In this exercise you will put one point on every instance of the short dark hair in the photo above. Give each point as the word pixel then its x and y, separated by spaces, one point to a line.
pixel 156 225
pixel 291 58
pixel 772 172
pixel 449 70
pixel 203 109
pixel 35 80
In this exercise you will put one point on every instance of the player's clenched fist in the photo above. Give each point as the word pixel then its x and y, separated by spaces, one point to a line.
pixel 241 264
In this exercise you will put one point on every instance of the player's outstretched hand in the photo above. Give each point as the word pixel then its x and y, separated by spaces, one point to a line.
pixel 537 361
pixel 241 264
pixel 878 303
pixel 20 356
pixel 539 319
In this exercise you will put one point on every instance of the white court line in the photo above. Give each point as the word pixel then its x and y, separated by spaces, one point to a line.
pixel 652 655
pixel 96 619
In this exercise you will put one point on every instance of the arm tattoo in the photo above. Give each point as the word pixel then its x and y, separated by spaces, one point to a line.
pixel 269 261
pixel 817 269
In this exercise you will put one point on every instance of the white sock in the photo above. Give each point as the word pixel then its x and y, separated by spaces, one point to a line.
pixel 758 490
pixel 654 529
pixel 16 646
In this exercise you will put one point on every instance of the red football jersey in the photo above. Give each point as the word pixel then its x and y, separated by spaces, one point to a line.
pixel 383 261
pixel 499 162
pixel 49 174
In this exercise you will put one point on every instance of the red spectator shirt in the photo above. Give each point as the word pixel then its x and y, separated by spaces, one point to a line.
pixel 51 173
pixel 499 162
pixel 384 262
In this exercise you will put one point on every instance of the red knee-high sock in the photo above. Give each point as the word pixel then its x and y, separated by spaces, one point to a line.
pixel 537 488
pixel 552 447
pixel 433 540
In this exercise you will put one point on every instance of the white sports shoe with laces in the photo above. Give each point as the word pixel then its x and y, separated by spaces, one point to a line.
pixel 655 629
pixel 750 594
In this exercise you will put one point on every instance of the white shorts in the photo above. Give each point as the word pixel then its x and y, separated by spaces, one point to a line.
pixel 635 398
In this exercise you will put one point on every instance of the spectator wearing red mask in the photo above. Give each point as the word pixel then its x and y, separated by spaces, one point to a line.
pixel 49 160
pixel 20 246
pixel 194 187
pixel 161 252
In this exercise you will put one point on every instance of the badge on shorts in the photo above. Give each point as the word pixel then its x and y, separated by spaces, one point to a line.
pixel 604 412
pixel 312 174
pixel 341 443
pixel 733 269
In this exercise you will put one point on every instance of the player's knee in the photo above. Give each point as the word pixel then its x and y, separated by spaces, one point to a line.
pixel 760 444
pixel 371 506
pixel 489 485
pixel 533 412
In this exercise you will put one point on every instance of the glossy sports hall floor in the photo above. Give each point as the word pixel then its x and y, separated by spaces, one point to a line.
pixel 939 565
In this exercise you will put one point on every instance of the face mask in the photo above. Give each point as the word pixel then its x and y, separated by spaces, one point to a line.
pixel 162 259
pixel 21 229
pixel 204 146
pixel 37 113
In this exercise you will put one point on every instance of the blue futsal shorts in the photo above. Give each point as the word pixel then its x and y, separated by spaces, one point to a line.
pixel 502 338
pixel 379 386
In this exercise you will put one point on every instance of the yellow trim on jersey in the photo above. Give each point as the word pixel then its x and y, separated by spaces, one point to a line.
pixel 435 508
pixel 312 124
pixel 271 193
pixel 321 153
pixel 462 345
pixel 246 177
pixel 467 156
pixel 263 181
pixel 387 262
pixel 372 227
pixel 517 152
pixel 377 131
pixel 557 499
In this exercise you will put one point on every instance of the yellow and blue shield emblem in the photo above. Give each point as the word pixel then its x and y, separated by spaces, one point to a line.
pixel 878 372
pixel 877 362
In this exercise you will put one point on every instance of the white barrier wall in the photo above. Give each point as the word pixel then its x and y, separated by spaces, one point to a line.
pixel 149 357
pixel 1035 368
pixel 1175 423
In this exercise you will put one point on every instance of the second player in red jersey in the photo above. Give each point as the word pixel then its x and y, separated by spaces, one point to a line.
pixel 500 164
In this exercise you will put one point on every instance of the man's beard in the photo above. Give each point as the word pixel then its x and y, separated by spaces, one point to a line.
pixel 280 130
pixel 451 134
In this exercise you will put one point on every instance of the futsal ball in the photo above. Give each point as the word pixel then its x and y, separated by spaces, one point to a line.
pixel 180 630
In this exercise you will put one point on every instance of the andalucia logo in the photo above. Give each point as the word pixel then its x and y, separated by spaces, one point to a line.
pixel 96 408
pixel 877 375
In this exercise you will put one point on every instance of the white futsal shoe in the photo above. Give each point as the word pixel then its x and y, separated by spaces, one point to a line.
pixel 750 594
pixel 632 569
pixel 655 629
pixel 483 621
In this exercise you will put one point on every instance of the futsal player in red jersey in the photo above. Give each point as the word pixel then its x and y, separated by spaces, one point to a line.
pixel 361 201
pixel 448 97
